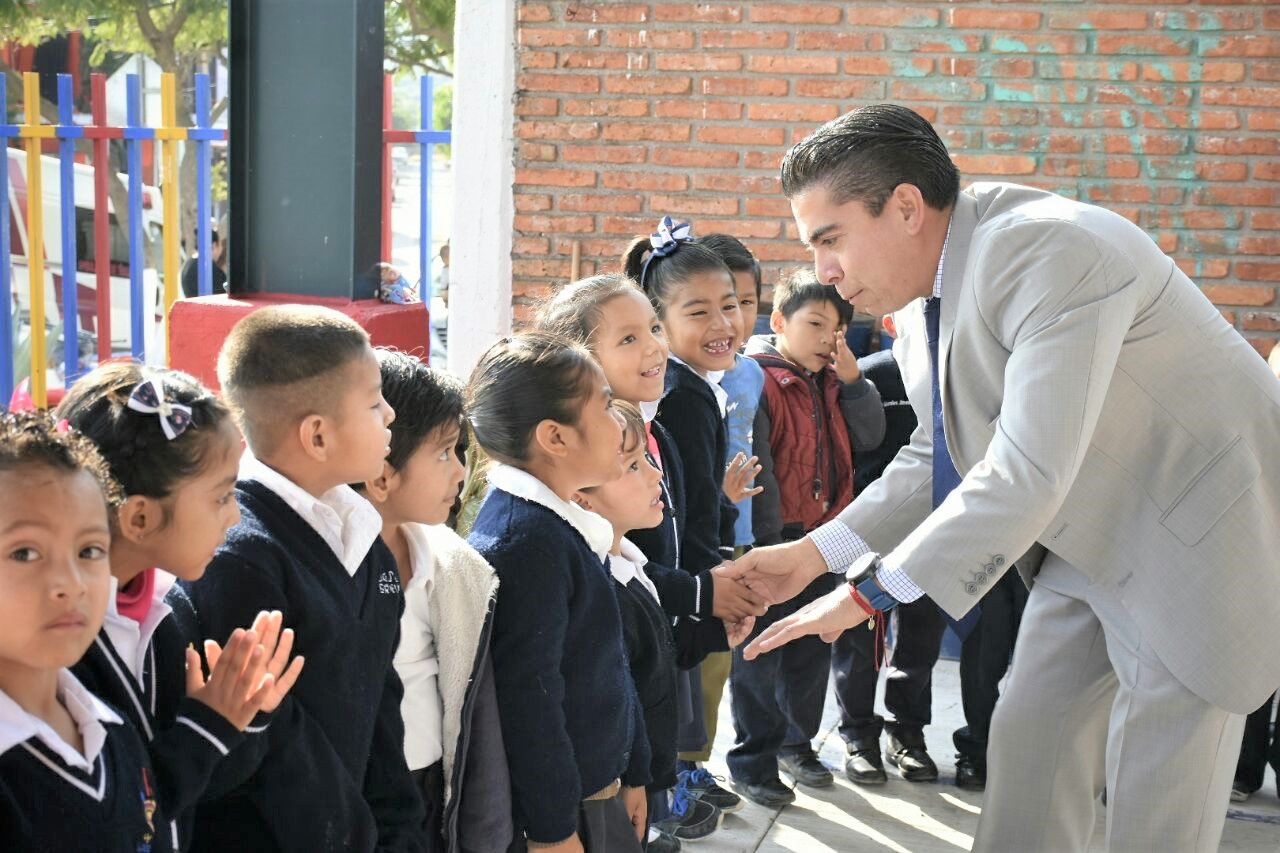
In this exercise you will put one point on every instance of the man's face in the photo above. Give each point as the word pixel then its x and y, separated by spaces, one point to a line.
pixel 877 263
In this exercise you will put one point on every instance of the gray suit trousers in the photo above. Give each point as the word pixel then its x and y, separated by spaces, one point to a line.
pixel 1089 704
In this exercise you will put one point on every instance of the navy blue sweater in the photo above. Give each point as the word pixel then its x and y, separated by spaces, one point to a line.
pixel 186 738
pixel 570 717
pixel 330 773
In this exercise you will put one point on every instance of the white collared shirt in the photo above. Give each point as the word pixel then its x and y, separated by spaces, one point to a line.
pixel 131 639
pixel 630 564
pixel 416 660
pixel 347 523
pixel 595 530
pixel 712 378
pixel 88 712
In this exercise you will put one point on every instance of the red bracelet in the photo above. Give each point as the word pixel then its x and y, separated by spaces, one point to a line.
pixel 875 622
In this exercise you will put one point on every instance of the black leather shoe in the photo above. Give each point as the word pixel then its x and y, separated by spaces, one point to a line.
pixel 806 769
pixel 913 762
pixel 772 794
pixel 863 765
pixel 969 775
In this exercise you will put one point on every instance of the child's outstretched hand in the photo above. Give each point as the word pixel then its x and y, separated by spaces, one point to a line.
pixel 278 643
pixel 733 600
pixel 737 632
pixel 845 362
pixel 738 476
pixel 238 679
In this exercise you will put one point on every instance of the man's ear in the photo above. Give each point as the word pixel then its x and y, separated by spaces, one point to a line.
pixel 907 204
pixel 138 517
pixel 550 437
pixel 776 320
pixel 313 434
pixel 384 485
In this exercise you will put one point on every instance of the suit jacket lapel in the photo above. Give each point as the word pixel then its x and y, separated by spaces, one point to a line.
pixel 964 219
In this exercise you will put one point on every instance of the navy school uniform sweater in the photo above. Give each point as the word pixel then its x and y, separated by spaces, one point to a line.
pixel 47 804
pixel 186 739
pixel 330 773
pixel 571 721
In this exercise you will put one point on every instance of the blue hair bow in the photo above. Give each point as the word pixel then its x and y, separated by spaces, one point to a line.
pixel 668 238
pixel 147 397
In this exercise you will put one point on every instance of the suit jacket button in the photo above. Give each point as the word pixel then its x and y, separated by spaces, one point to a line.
pixel 989 568
pixel 998 559
pixel 971 588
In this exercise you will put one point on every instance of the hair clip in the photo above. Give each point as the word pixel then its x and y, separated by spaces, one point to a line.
pixel 665 241
pixel 147 397
pixel 63 426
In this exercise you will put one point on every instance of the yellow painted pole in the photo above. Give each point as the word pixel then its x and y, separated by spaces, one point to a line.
pixel 35 237
pixel 169 185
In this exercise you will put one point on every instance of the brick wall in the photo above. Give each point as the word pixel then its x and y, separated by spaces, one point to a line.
pixel 1166 112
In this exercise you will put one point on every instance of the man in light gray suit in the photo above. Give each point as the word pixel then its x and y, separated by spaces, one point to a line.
pixel 1086 414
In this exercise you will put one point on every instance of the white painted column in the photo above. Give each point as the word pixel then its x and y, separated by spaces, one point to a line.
pixel 483 176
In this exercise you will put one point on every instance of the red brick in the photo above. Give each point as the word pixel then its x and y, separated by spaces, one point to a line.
pixel 702 110
pixel 773 111
pixel 557 130
pixel 1268 219
pixel 544 269
pixel 1269 71
pixel 1237 196
pixel 542 223
pixel 742 135
pixel 842 90
pixel 792 64
pixel 607 13
pixel 656 39
pixel 646 131
pixel 883 66
pixel 644 181
pixel 1264 121
pixel 1042 44
pixel 603 153
pixel 591 203
pixel 1191 120
pixel 633 225
pixel 744 40
pixel 1267 170
pixel 991 116
pixel 891 17
pixel 1239 294
pixel 537 59
pixel 555 177
pixel 534 13
pixel 839 42
pixel 530 246
pixel 951 66
pixel 1202 268
pixel 532 203
pixel 769 160
pixel 600 248
pixel 1145 45
pixel 627 84
pixel 744 86
pixel 1254 321
pixel 1195 72
pixel 1168 243
pixel 1242 46
pixel 697 13
pixel 694 205
pixel 994 164
pixel 705 158
pixel 795 252
pixel 1116 20
pixel 540 37
pixel 768 207
pixel 537 152
pixel 1218 19
pixel 1219 171
pixel 606 107
pixel 771 13
pixel 603 59
pixel 1260 246
pixel 939 90
pixel 527 106
pixel 1242 96
pixel 935 43
pixel 1263 346
pixel 1069 69
pixel 699 62
pixel 1088 117
pixel 992 19
pixel 1266 145
pixel 1145 96
pixel 573 83
pixel 1253 271
pixel 760 229
pixel 1147 143
pixel 741 184
pixel 1271 19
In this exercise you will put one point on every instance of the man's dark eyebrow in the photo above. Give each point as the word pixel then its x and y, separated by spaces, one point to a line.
pixel 818 233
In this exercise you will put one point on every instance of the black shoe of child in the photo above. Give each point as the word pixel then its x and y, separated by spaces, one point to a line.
pixel 703 786
pixel 912 761
pixel 663 842
pixel 864 766
pixel 772 794
pixel 969 776
pixel 806 769
pixel 690 819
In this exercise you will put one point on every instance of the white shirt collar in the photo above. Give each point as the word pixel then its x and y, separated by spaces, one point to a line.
pixel 345 521
pixel 423 564
pixel 712 378
pixel 595 530
pixel 649 411
pixel 630 565
pixel 937 276
pixel 131 639
pixel 88 712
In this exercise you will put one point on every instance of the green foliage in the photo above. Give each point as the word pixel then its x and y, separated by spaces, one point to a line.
pixel 420 36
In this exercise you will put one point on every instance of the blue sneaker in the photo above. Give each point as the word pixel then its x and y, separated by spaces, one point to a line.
pixel 702 785
pixel 691 818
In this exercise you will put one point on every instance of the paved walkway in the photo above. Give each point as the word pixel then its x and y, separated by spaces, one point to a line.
pixel 914 818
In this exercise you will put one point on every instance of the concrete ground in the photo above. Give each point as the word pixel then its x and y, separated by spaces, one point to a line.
pixel 910 817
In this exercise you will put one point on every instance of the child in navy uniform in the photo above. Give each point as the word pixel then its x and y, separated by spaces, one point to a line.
pixel 574 732
pixel 172 446
pixel 73 776
pixel 330 773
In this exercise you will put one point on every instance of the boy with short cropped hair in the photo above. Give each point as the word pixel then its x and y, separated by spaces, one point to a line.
pixel 816 411
pixel 330 773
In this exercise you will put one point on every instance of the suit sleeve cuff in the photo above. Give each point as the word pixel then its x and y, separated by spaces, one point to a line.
pixel 839 545
pixel 895 582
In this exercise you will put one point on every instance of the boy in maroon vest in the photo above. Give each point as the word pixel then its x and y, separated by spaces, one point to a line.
pixel 817 410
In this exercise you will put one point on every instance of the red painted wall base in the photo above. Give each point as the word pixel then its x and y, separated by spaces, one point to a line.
pixel 199 326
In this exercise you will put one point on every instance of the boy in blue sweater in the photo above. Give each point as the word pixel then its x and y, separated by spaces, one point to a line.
pixel 330 773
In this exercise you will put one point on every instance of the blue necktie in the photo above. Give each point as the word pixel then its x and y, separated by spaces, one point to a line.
pixel 945 476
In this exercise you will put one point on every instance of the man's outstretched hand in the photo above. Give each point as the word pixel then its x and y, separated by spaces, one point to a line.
pixel 778 572
pixel 828 617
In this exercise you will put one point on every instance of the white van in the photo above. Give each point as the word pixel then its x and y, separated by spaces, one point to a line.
pixel 86 261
